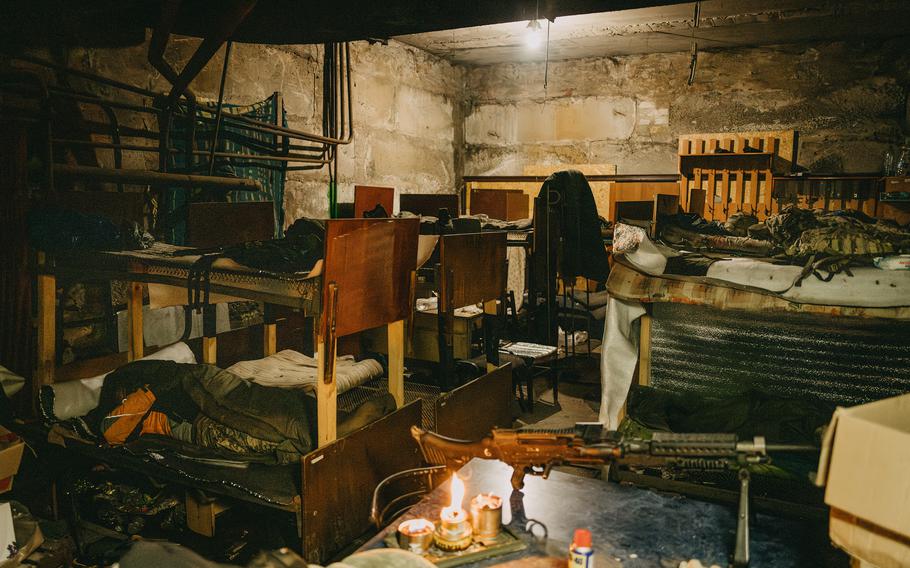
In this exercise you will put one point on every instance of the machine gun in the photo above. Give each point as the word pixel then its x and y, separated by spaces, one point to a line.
pixel 536 452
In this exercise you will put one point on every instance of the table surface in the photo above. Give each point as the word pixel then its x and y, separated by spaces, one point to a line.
pixel 632 527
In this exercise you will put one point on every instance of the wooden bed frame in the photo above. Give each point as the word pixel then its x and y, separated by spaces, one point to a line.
pixel 365 282
pixel 629 284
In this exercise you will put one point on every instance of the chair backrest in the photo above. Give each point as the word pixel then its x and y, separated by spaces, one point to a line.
pixel 400 491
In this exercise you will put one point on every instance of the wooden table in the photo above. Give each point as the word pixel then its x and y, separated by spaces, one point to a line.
pixel 632 527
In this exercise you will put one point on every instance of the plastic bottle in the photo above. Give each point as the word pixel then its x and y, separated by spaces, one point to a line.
pixel 888 162
pixel 581 554
pixel 903 162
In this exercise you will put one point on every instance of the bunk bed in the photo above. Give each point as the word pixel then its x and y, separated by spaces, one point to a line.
pixel 471 270
pixel 468 269
pixel 363 281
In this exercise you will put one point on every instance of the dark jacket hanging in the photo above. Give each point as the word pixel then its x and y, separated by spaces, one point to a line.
pixel 567 226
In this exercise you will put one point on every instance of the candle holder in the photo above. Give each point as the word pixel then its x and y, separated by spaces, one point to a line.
pixel 486 517
pixel 454 531
pixel 416 535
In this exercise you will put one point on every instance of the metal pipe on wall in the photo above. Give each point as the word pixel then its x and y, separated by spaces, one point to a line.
pixel 146 177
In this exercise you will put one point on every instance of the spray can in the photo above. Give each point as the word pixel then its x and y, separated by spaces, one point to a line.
pixel 581 554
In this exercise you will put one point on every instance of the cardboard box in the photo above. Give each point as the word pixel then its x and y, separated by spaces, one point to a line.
pixel 865 464
pixel 11 447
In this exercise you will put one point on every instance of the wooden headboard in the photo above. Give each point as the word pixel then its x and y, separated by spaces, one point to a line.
pixel 474 265
pixel 370 261
pixel 367 197
pixel 429 203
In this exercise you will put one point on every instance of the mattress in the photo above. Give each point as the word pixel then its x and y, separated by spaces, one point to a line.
pixel 166 264
pixel 863 287
pixel 290 369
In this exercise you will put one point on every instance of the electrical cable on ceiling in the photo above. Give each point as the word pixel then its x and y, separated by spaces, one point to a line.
pixel 694 63
pixel 546 65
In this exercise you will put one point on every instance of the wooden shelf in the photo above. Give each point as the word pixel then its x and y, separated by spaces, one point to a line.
pixel 742 161
pixel 727 154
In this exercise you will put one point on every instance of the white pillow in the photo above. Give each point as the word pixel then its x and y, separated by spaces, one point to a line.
pixel 77 398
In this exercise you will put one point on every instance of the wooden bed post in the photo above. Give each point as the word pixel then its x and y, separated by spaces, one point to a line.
pixel 134 315
pixel 490 310
pixel 326 389
pixel 209 334
pixel 47 327
pixel 396 361
pixel 644 351
pixel 644 361
pixel 269 330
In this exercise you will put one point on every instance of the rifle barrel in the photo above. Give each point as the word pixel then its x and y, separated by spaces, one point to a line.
pixel 808 448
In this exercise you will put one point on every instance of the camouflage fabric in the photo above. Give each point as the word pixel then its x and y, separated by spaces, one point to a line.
pixel 212 434
pixel 806 232
pixel 786 227
pixel 840 240
pixel 848 235
pixel 738 224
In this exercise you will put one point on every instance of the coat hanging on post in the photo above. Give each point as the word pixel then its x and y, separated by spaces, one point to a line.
pixel 566 221
pixel 567 243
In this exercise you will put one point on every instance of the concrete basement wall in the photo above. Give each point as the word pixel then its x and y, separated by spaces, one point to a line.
pixel 406 110
pixel 847 100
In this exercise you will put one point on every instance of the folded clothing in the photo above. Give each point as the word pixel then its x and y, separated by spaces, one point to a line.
pixel 299 250
pixel 290 369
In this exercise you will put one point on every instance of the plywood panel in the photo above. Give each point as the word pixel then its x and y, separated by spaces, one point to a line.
pixel 338 480
pixel 587 169
pixel 506 204
pixel 474 265
pixel 472 410
pixel 367 197
pixel 600 189
pixel 370 260
pixel 428 203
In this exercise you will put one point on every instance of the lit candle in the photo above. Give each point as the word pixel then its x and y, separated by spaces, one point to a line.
pixel 454 531
pixel 416 535
pixel 486 516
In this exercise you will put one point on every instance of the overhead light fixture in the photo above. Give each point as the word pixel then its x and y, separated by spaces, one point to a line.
pixel 534 34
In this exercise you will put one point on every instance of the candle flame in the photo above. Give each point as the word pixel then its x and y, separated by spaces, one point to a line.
pixel 457 492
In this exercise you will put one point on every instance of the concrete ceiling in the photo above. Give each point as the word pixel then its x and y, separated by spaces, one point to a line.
pixel 721 24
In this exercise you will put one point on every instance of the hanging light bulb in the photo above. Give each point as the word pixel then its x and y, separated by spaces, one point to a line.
pixel 534 34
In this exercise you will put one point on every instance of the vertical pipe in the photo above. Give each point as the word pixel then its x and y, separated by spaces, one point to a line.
pixel 220 106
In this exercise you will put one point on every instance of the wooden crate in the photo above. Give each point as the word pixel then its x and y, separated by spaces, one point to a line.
pixel 732 172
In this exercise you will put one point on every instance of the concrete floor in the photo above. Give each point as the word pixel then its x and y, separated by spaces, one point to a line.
pixel 579 397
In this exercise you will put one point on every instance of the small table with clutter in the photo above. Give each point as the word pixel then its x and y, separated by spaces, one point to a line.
pixel 629 527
